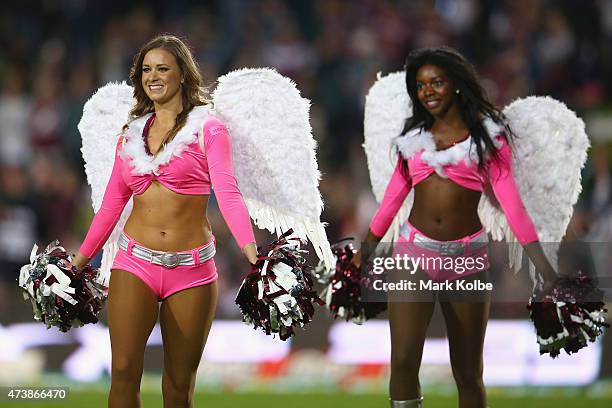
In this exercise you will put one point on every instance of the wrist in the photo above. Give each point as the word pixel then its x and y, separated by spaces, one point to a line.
pixel 79 261
pixel 548 274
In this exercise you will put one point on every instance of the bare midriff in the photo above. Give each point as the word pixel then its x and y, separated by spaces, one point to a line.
pixel 166 221
pixel 444 210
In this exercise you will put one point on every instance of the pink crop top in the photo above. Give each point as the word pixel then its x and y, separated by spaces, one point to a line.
pixel 181 166
pixel 459 164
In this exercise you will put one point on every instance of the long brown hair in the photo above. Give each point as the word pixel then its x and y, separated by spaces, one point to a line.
pixel 193 91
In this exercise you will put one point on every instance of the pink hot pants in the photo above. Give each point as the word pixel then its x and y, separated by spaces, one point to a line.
pixel 451 260
pixel 164 281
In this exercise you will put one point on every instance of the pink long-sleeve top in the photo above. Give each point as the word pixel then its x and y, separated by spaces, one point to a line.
pixel 456 163
pixel 183 167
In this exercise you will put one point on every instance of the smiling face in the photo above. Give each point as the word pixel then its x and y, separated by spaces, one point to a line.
pixel 435 90
pixel 161 76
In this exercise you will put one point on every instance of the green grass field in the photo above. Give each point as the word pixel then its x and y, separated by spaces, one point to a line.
pixel 333 400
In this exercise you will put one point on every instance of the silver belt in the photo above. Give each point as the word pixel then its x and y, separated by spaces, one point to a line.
pixel 167 259
pixel 445 248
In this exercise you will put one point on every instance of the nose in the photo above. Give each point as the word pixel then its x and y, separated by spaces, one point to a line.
pixel 153 75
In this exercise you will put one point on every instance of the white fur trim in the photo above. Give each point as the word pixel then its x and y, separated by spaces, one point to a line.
pixel 134 148
pixel 417 140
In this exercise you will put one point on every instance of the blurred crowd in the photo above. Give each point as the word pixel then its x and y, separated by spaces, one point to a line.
pixel 54 54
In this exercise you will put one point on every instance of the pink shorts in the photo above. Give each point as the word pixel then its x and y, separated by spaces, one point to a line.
pixel 444 260
pixel 162 280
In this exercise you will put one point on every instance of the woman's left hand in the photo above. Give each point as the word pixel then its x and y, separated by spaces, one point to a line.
pixel 250 251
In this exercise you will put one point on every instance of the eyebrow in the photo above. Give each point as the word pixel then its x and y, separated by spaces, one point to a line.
pixel 433 78
pixel 159 65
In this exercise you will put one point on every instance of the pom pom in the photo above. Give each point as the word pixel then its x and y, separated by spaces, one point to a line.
pixel 61 296
pixel 277 294
pixel 344 285
pixel 568 316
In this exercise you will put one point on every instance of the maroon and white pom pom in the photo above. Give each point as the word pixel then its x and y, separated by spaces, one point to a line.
pixel 61 296
pixel 277 294
pixel 344 285
pixel 568 316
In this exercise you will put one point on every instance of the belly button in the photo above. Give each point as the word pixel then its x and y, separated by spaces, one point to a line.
pixel 163 234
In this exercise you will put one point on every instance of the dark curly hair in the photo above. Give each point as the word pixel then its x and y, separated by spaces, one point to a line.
pixel 473 103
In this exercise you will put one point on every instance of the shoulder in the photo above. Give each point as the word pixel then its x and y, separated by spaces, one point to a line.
pixel 213 125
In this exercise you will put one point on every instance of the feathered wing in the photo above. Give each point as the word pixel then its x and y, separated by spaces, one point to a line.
pixel 387 107
pixel 104 115
pixel 549 150
pixel 274 153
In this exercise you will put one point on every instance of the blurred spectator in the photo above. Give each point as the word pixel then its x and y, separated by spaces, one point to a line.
pixel 14 117
pixel 596 199
pixel 18 221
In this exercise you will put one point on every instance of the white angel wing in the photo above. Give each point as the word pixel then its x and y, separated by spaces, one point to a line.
pixel 548 153
pixel 274 153
pixel 104 115
pixel 387 107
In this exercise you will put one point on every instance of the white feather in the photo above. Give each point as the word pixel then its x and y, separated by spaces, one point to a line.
pixel 548 153
pixel 274 153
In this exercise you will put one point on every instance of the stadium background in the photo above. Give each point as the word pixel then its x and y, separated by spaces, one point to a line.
pixel 55 53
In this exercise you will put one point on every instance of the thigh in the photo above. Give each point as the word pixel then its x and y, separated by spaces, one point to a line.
pixel 185 319
pixel 466 324
pixel 408 322
pixel 132 313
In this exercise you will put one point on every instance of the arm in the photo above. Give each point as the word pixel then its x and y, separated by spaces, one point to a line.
pixel 397 190
pixel 219 155
pixel 505 190
pixel 116 196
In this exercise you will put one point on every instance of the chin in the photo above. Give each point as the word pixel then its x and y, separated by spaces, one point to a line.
pixel 156 98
